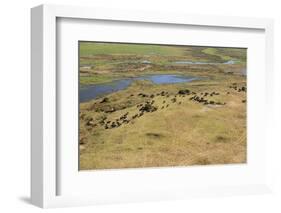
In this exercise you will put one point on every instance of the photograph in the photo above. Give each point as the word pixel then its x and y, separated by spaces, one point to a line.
pixel 161 105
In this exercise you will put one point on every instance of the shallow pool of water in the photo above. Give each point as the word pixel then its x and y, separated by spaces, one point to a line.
pixel 90 92
pixel 198 62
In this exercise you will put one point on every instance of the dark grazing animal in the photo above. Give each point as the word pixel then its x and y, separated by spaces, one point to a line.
pixel 105 100
pixel 134 116
pixel 174 100
pixel 110 110
pixel 184 91
pixel 148 108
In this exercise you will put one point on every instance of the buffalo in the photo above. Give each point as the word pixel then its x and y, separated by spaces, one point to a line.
pixel 184 91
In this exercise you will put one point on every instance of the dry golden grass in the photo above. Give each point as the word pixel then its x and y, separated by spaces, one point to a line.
pixel 182 134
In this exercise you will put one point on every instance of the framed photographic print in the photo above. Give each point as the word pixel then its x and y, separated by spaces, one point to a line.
pixel 130 106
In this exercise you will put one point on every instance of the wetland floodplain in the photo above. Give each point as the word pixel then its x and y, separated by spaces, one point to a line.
pixel 146 105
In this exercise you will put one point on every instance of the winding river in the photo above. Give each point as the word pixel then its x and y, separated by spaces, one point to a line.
pixel 89 92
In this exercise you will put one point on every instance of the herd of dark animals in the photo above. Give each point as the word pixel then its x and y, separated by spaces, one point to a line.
pixel 148 107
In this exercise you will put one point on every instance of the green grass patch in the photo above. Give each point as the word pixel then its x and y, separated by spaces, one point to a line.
pixel 213 51
pixel 226 54
pixel 92 48
pixel 96 79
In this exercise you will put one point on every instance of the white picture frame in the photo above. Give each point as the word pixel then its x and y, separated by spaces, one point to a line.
pixel 44 150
